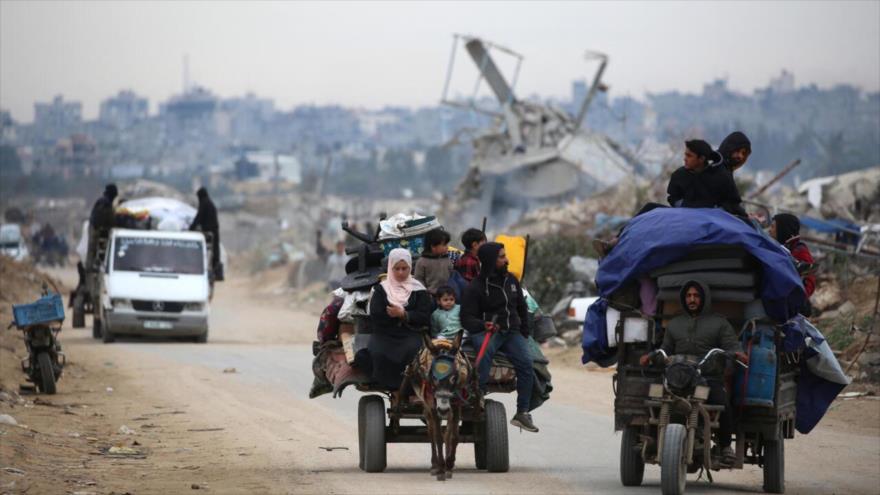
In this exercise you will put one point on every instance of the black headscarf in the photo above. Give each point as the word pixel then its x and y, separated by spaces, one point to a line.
pixel 734 141
pixel 488 254
pixel 703 149
pixel 787 226
pixel 110 191
pixel 202 193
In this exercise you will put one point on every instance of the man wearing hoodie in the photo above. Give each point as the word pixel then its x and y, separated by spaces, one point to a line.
pixel 100 221
pixel 695 332
pixel 494 301
pixel 735 151
pixel 206 221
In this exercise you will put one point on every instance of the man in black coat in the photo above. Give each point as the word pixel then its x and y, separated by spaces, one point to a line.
pixel 206 221
pixel 494 301
pixel 735 151
pixel 699 184
pixel 100 221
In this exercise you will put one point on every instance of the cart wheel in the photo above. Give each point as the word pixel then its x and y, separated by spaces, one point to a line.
pixel 374 434
pixel 79 313
pixel 497 456
pixel 480 454
pixel 632 466
pixel 362 405
pixel 96 327
pixel 673 471
pixel 774 464
pixel 47 373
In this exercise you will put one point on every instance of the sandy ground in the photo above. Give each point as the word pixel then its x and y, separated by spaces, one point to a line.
pixel 233 416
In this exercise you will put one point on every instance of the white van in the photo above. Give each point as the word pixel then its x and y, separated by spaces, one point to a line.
pixel 12 242
pixel 155 283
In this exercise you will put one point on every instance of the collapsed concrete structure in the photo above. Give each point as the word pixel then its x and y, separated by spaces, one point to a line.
pixel 533 154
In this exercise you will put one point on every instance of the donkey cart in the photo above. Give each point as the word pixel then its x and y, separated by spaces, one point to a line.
pixel 483 423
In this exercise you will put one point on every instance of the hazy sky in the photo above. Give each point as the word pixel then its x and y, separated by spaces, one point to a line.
pixel 372 54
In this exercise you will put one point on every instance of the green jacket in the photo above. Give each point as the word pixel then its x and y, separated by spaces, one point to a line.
pixel 697 335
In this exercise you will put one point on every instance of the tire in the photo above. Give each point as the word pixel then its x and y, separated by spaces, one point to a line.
pixel 47 373
pixel 480 454
pixel 96 327
pixel 374 434
pixel 497 455
pixel 361 424
pixel 774 464
pixel 79 313
pixel 106 335
pixel 673 471
pixel 202 339
pixel 632 466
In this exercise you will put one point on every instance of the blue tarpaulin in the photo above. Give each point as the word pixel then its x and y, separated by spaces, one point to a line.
pixel 664 235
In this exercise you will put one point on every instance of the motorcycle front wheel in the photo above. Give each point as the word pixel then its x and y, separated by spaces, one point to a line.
pixel 46 377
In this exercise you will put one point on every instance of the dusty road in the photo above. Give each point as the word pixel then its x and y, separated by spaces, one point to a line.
pixel 254 430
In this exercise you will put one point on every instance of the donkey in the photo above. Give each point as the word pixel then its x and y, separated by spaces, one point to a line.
pixel 439 378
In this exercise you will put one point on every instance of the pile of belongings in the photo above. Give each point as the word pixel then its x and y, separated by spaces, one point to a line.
pixel 751 277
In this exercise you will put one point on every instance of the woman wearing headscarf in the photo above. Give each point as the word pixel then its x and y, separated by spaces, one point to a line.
pixel 400 308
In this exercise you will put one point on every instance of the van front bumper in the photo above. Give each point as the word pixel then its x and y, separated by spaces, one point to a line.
pixel 156 324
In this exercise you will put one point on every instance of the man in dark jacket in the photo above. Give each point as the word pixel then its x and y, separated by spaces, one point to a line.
pixel 206 221
pixel 494 301
pixel 735 151
pixel 786 228
pixel 694 333
pixel 698 184
pixel 100 221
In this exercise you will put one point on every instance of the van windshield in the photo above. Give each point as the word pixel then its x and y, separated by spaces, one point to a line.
pixel 145 254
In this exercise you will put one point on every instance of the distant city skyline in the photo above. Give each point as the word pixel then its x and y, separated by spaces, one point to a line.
pixel 376 54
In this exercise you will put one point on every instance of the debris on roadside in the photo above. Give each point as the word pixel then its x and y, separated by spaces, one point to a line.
pixel 6 419
pixel 125 430
pixel 230 370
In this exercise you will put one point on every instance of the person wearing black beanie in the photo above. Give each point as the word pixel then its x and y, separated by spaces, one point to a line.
pixel 735 150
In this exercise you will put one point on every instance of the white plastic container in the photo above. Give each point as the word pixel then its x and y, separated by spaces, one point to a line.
pixel 634 329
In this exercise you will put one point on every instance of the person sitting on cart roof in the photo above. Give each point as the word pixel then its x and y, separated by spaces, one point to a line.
pixel 434 267
pixel 493 307
pixel 400 308
pixel 698 184
pixel 735 151
pixel 695 332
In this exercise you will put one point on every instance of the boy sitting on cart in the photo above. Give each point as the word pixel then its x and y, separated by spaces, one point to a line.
pixel 695 332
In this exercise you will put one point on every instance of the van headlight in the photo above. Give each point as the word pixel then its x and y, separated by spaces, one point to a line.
pixel 193 306
pixel 120 303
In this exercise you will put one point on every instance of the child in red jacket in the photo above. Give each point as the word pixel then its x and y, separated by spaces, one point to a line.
pixel 786 229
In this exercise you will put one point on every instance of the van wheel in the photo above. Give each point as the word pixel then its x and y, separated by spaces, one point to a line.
pixel 632 466
pixel 202 339
pixel 774 464
pixel 106 335
pixel 673 471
